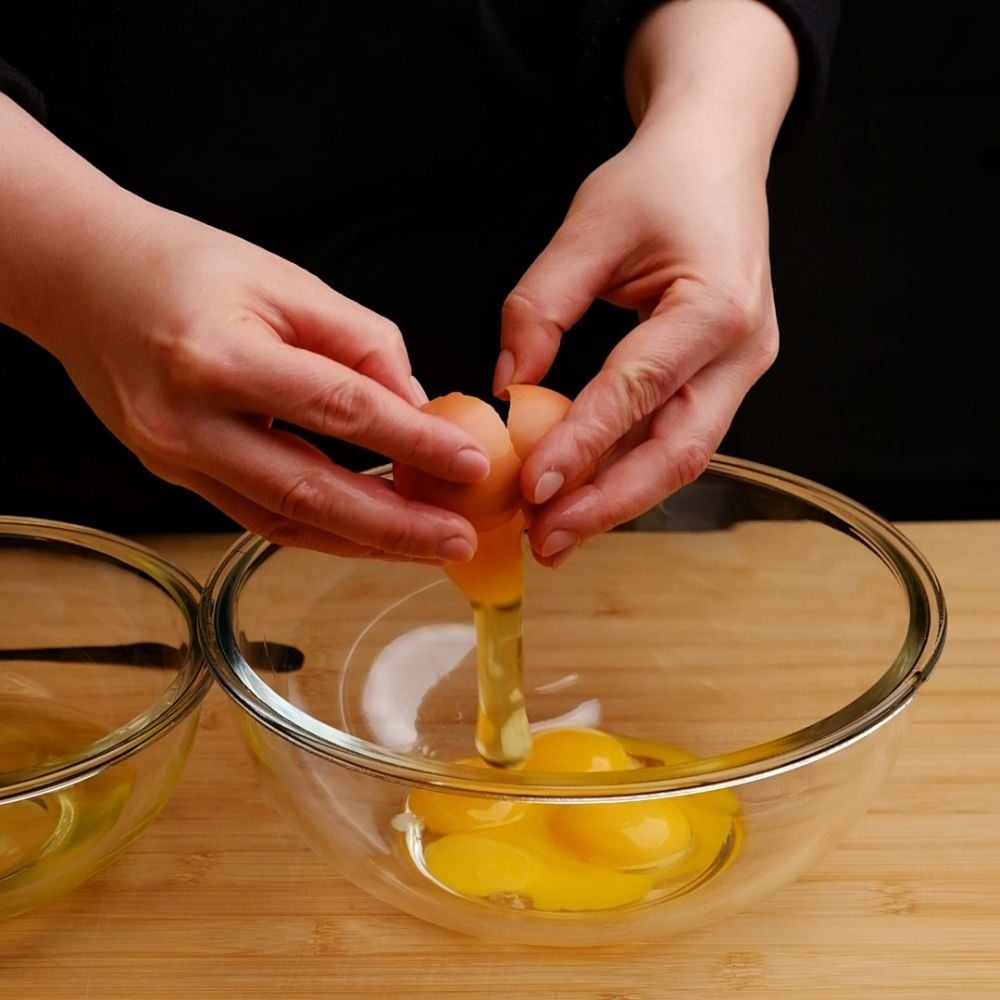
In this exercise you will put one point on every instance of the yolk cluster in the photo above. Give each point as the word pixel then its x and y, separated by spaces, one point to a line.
pixel 573 857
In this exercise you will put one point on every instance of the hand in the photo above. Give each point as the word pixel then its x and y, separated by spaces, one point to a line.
pixel 188 342
pixel 203 339
pixel 675 227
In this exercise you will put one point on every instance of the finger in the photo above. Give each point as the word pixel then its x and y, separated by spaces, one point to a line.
pixel 683 435
pixel 551 296
pixel 317 394
pixel 642 372
pixel 325 322
pixel 281 530
pixel 289 477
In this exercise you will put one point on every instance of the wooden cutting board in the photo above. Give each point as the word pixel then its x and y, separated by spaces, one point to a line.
pixel 220 899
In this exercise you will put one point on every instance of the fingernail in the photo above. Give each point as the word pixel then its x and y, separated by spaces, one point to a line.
pixel 557 541
pixel 503 374
pixel 456 549
pixel 469 465
pixel 560 558
pixel 548 485
pixel 418 391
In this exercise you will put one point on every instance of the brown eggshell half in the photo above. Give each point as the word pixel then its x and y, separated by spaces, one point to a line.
pixel 487 504
pixel 534 411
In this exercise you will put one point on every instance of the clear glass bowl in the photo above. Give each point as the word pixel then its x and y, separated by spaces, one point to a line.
pixel 101 677
pixel 772 629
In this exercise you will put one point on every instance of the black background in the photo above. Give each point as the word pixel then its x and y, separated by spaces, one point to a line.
pixel 886 247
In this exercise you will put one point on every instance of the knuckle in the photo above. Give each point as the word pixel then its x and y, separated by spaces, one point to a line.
pixel 159 467
pixel 187 368
pixel 389 332
pixel 386 340
pixel 154 432
pixel 279 531
pixel 583 443
pixel 193 364
pixel 691 461
pixel 343 410
pixel 301 500
pixel 765 352
pixel 727 313
pixel 396 536
pixel 643 384
pixel 526 315
pixel 616 509
pixel 520 307
pixel 421 446
pixel 738 314
pixel 270 528
pixel 734 317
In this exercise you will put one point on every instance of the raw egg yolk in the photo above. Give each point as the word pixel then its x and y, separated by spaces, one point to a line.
pixel 562 750
pixel 443 812
pixel 483 865
pixel 625 834
pixel 592 856
pixel 651 754
pixel 476 864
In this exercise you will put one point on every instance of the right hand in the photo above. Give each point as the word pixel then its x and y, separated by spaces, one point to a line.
pixel 187 342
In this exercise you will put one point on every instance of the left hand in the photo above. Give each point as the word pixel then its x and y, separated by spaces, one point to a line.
pixel 675 227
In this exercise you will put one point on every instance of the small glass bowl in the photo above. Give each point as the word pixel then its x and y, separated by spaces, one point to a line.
pixel 771 632
pixel 101 678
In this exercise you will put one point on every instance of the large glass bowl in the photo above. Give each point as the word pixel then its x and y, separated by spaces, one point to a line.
pixel 774 630
pixel 101 677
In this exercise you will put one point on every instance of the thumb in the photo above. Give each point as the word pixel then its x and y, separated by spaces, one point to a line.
pixel 552 295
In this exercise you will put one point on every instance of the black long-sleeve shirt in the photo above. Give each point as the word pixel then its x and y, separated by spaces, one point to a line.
pixel 416 156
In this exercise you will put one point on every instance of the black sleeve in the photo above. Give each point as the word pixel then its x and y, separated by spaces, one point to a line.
pixel 609 24
pixel 20 89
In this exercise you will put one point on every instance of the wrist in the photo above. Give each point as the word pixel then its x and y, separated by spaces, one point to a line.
pixel 723 72
pixel 65 227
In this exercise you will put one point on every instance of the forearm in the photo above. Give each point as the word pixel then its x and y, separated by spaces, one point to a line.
pixel 63 224
pixel 723 69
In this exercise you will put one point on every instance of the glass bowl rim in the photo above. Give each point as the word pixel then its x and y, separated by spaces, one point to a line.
pixel 914 662
pixel 182 696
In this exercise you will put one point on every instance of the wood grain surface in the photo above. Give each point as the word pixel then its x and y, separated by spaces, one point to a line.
pixel 220 899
